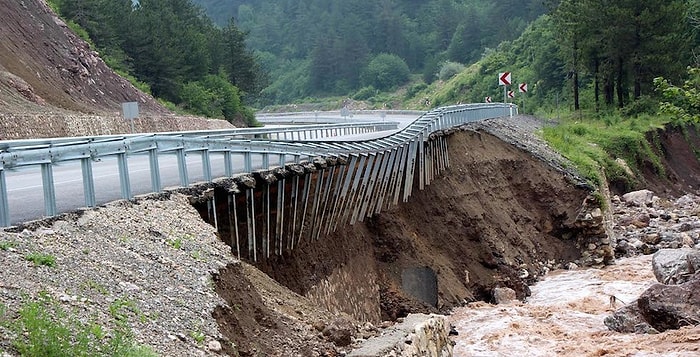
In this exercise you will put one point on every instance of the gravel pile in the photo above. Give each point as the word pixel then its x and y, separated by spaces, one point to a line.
pixel 150 261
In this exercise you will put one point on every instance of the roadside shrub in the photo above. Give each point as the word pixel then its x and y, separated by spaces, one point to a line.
pixel 41 259
pixel 450 69
pixel 214 97
pixel 415 89
pixel 365 93
pixel 643 105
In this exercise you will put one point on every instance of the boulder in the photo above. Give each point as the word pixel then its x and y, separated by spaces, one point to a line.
pixel 339 331
pixel 638 198
pixel 628 319
pixel 503 295
pixel 675 266
pixel 667 307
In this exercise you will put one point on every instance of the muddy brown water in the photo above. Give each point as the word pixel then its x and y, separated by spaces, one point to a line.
pixel 564 317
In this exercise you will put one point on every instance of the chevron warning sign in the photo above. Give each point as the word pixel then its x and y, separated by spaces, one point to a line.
pixel 504 79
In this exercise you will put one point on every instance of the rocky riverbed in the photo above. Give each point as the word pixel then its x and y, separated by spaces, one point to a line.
pixel 570 311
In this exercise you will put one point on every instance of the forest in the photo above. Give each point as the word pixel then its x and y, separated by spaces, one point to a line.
pixel 337 47
pixel 219 58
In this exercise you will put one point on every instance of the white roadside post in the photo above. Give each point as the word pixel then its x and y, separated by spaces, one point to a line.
pixel 511 94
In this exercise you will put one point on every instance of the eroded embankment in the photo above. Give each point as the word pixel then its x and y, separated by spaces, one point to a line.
pixel 678 149
pixel 497 217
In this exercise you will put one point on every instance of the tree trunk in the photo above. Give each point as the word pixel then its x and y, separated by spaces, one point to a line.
pixel 575 77
pixel 596 76
pixel 620 86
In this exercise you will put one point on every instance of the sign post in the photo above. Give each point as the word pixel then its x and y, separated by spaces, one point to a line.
pixel 130 110
pixel 504 79
pixel 523 89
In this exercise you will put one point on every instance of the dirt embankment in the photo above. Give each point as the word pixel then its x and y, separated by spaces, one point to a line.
pixel 679 150
pixel 497 217
pixel 44 67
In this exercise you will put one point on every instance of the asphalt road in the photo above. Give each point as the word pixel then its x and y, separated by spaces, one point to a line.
pixel 26 195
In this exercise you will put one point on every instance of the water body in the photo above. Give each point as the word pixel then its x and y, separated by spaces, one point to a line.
pixel 564 317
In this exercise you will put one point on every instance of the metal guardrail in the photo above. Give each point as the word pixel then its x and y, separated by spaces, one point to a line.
pixel 283 144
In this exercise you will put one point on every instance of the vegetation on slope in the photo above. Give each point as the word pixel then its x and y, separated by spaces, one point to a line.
pixel 322 48
pixel 595 74
pixel 171 50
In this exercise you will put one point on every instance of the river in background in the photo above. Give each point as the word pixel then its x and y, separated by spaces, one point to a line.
pixel 564 317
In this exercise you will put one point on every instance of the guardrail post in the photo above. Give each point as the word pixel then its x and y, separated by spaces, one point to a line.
pixel 266 160
pixel 88 182
pixel 421 161
pixel 247 162
pixel 228 164
pixel 279 231
pixel 124 182
pixel 4 202
pixel 295 200
pixel 250 212
pixel 233 221
pixel 49 189
pixel 155 170
pixel 206 165
pixel 182 167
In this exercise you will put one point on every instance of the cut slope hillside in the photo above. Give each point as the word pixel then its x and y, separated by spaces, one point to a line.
pixel 45 66
pixel 53 84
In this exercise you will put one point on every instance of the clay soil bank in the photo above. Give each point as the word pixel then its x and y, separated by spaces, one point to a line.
pixel 498 217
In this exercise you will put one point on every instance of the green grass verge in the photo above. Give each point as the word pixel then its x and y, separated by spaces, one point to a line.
pixel 593 143
pixel 43 328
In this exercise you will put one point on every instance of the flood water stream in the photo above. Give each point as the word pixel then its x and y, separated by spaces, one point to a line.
pixel 564 317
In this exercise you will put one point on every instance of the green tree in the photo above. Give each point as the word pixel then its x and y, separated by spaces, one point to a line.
pixel 385 71
pixel 623 44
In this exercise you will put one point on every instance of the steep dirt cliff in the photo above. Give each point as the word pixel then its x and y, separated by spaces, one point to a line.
pixel 678 148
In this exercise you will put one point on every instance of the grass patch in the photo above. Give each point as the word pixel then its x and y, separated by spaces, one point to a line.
pixel 91 285
pixel 593 143
pixel 43 328
pixel 120 310
pixel 6 245
pixel 175 243
pixel 41 259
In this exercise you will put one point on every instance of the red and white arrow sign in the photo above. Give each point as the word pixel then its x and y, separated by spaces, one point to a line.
pixel 511 94
pixel 522 87
pixel 504 79
pixel 487 99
